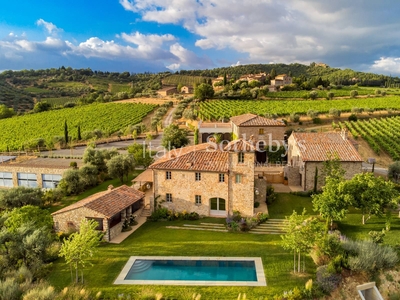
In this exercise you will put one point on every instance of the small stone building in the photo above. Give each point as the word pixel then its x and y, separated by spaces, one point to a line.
pixel 281 80
pixel 207 179
pixel 186 90
pixel 308 152
pixel 108 208
pixel 166 91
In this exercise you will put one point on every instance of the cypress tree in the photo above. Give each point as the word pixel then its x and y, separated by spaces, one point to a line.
pixel 66 131
pixel 225 82
pixel 79 133
pixel 315 179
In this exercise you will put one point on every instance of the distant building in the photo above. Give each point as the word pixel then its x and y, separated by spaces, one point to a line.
pixel 281 80
pixel 166 91
pixel 257 77
pixel 308 152
pixel 186 90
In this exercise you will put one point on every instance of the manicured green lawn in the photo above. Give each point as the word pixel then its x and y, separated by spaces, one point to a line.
pixel 286 203
pixel 101 187
pixel 154 239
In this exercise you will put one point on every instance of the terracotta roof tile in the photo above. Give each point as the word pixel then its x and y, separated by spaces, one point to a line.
pixel 107 203
pixel 254 120
pixel 240 145
pixel 318 147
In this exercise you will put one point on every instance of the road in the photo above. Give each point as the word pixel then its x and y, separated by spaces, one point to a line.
pixel 377 170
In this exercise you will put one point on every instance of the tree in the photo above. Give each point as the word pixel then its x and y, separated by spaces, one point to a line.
pixel 80 246
pixel 353 93
pixel 6 112
pixel 96 158
pixel 141 155
pixel 203 91
pixel 225 81
pixel 41 106
pixel 370 194
pixel 174 137
pixel 35 216
pixel 71 183
pixel 330 95
pixel 120 166
pixel 394 171
pixel 79 133
pixel 302 234
pixel 88 175
pixel 272 74
pixel 20 196
pixel 65 132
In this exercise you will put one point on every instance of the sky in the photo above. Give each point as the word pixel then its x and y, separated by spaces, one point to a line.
pixel 169 35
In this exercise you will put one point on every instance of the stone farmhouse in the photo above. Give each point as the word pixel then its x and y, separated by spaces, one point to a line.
pixel 308 152
pixel 186 90
pixel 281 80
pixel 166 91
pixel 108 208
pixel 37 172
pixel 257 77
pixel 207 179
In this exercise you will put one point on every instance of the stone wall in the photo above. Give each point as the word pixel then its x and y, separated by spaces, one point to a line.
pixel 261 185
pixel 242 194
pixel 114 231
pixel 293 175
pixel 184 187
pixel 14 169
pixel 270 135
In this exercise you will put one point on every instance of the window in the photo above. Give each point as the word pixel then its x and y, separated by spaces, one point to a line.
pixel 221 177
pixel 27 180
pixel 261 131
pixel 197 199
pixel 115 219
pixel 238 178
pixel 168 175
pixel 217 204
pixel 50 181
pixel 99 223
pixel 6 179
pixel 198 176
pixel 168 197
pixel 241 157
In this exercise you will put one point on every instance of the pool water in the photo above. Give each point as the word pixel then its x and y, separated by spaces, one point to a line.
pixel 192 270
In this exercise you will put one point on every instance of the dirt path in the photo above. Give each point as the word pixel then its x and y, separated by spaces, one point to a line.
pixel 168 118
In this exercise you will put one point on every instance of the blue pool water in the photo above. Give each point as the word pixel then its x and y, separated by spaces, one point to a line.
pixel 201 270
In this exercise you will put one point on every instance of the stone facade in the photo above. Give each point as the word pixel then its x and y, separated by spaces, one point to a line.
pixel 267 134
pixel 237 191
pixel 15 169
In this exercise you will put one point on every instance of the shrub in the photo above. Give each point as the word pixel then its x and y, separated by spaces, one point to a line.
pixel 313 95
pixel 335 112
pixel 41 292
pixel 73 165
pixel 353 93
pixel 330 95
pixel 368 256
pixel 9 290
pixel 327 281
pixel 312 113
pixel 236 216
pixel 377 236
pixel 377 92
pixel 256 204
pixel 158 214
pixel 353 117
pixel 383 93
pixel 317 121
pixel 294 117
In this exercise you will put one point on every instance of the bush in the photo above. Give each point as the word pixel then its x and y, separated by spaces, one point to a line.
pixel 330 95
pixel 9 290
pixel 353 94
pixel 377 236
pixel 294 117
pixel 327 281
pixel 313 95
pixel 40 292
pixel 158 214
pixel 377 92
pixel 368 256
pixel 256 204
pixel 383 93
pixel 353 117
pixel 317 121
pixel 335 112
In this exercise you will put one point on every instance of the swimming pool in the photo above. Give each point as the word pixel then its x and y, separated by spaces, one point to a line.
pixel 182 270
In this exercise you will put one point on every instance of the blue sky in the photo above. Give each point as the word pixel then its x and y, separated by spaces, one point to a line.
pixel 160 35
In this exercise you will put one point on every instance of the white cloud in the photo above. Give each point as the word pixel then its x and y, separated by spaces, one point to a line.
pixel 50 27
pixel 387 65
pixel 173 67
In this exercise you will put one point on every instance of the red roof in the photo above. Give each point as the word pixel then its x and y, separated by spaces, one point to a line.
pixel 107 203
pixel 251 120
pixel 319 147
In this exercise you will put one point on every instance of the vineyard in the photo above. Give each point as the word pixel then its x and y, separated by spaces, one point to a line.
pixel 184 80
pixel 109 116
pixel 12 97
pixel 382 134
pixel 217 109
pixel 60 101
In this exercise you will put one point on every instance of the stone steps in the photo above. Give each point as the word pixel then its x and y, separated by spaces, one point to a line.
pixel 271 226
pixel 145 212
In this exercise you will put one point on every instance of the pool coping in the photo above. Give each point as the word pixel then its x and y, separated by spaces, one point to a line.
pixel 261 281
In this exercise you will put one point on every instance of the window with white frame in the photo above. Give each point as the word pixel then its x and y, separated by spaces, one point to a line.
pixel 168 175
pixel 6 179
pixel 241 157
pixel 197 199
pixel 27 179
pixel 168 197
pixel 50 181
pixel 221 177
pixel 198 176
pixel 238 178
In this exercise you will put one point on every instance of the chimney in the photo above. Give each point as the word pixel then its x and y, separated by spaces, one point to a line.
pixel 110 187
pixel 344 134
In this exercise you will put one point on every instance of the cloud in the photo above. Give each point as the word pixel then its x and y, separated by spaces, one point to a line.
pixel 386 65
pixel 50 27
pixel 336 32
pixel 173 67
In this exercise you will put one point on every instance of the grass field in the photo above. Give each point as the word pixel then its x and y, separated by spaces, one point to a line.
pixel 120 87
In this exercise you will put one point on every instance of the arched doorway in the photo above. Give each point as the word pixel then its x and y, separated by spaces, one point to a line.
pixel 218 207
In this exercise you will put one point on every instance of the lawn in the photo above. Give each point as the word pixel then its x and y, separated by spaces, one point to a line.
pixel 286 203
pixel 153 238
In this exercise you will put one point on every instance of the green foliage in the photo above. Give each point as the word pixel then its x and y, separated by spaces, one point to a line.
pixel 368 256
pixel 353 117
pixel 313 95
pixel 20 196
pixel 10 290
pixel 141 155
pixel 41 106
pixel 203 91
pixel 326 280
pixel 394 171
pixel 120 165
pixel 71 183
pixel 35 216
pixel 81 246
pixel 377 236
pixel 353 93
pixel 174 137
pixel 88 175
pixel 47 125
pixel 41 292
pixel 190 81
pixel 6 112
pixel 294 117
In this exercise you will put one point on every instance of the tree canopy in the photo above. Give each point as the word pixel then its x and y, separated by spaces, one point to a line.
pixel 203 91
pixel 174 137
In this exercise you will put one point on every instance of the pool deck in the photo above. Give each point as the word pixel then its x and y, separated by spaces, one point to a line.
pixel 261 281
